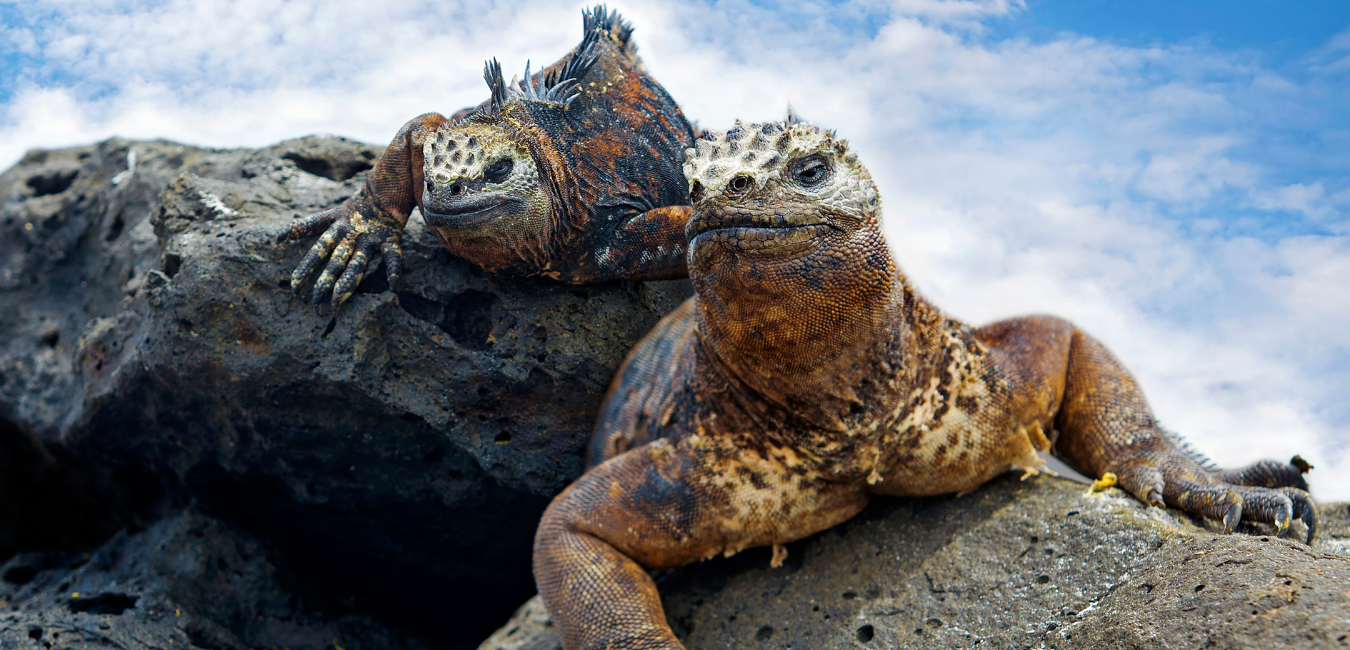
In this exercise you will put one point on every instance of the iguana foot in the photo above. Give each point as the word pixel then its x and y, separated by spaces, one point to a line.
pixel 349 241
pixel 1267 492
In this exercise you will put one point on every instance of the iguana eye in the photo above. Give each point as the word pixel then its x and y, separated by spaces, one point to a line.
pixel 740 184
pixel 498 171
pixel 811 171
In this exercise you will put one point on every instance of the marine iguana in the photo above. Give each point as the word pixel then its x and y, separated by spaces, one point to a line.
pixel 806 375
pixel 573 173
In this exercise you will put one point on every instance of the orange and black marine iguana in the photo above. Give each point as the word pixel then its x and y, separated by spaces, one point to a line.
pixel 573 173
pixel 806 375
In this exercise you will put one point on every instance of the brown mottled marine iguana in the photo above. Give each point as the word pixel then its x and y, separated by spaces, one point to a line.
pixel 573 173
pixel 807 375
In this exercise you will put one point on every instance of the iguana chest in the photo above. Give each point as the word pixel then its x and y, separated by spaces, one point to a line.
pixel 948 428
pixel 959 428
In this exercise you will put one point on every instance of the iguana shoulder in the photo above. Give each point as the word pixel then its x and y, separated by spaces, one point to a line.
pixel 572 173
pixel 808 375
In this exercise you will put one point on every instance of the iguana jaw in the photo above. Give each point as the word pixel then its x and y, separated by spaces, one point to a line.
pixel 477 211
pixel 756 234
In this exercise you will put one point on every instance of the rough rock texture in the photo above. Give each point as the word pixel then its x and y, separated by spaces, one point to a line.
pixel 396 450
pixel 1035 564
pixel 188 581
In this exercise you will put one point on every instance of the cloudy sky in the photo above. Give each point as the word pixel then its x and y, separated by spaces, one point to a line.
pixel 1173 177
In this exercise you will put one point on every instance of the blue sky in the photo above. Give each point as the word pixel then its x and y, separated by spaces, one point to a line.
pixel 1170 176
pixel 1282 31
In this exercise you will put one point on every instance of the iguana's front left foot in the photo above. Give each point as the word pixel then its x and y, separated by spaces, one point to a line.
pixel 1268 492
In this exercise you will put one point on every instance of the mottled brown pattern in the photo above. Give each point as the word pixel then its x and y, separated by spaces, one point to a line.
pixel 807 375
pixel 596 191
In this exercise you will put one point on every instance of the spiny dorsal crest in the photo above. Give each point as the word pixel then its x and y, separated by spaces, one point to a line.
pixel 761 154
pixel 602 19
pixel 561 86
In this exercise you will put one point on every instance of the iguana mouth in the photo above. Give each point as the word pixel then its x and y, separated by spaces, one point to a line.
pixel 704 222
pixel 754 233
pixel 473 212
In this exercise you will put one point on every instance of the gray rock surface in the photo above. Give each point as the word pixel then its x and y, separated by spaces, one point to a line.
pixel 188 581
pixel 1035 564
pixel 397 450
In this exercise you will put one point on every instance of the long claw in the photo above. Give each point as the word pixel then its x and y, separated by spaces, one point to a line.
pixel 1304 510
pixel 1283 517
pixel 1232 517
pixel 317 254
pixel 336 264
pixel 1155 498
pixel 356 270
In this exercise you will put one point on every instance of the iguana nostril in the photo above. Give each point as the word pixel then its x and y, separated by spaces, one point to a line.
pixel 696 192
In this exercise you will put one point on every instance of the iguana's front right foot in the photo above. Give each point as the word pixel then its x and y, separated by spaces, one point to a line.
pixel 353 234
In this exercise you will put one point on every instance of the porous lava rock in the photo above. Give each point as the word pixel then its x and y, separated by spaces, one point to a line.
pixel 1041 564
pixel 186 581
pixel 396 450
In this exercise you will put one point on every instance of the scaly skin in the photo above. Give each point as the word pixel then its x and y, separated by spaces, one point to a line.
pixel 573 173
pixel 806 375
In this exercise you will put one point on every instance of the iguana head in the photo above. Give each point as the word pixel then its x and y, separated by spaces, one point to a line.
pixel 482 191
pixel 785 245
pixel 777 191
pixel 483 194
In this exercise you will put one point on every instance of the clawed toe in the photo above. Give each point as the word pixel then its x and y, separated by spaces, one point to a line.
pixel 1280 507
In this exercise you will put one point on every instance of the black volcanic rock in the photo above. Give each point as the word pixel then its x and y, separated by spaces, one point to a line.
pixel 187 581
pixel 396 450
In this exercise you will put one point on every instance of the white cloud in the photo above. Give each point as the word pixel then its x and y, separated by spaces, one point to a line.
pixel 1108 184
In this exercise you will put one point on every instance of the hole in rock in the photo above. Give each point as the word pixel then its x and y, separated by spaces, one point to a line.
pixel 866 633
pixel 106 604
pixel 332 169
pixel 764 634
pixel 172 262
pixel 467 317
pixel 20 575
pixel 115 230
pixel 1042 580
pixel 52 182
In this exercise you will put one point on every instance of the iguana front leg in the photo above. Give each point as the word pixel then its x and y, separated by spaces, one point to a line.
pixel 644 401
pixel 1106 427
pixel 368 224
pixel 649 246
pixel 660 506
